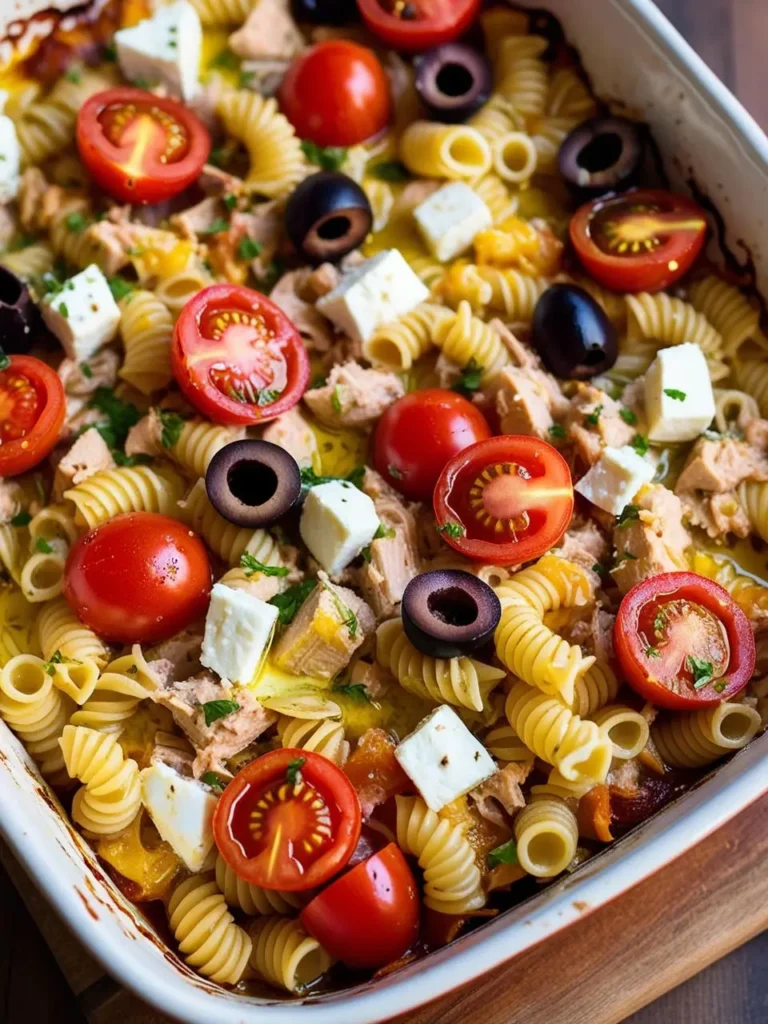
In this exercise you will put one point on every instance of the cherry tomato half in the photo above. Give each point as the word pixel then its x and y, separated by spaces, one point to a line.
pixel 237 357
pixel 505 500
pixel 418 24
pixel 419 433
pixel 370 916
pixel 138 147
pixel 336 93
pixel 289 820
pixel 32 410
pixel 640 241
pixel 683 642
pixel 138 578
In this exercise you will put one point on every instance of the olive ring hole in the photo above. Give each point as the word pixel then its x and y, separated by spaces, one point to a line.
pixel 454 79
pixel 453 606
pixel 601 152
pixel 333 228
pixel 252 483
pixel 11 289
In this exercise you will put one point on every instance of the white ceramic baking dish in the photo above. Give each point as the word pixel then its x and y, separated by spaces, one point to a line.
pixel 634 56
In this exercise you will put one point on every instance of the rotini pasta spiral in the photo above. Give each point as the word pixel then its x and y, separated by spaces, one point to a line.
pixel 597 687
pixel 18 634
pixel 444 150
pixel 513 294
pixel 753 495
pixel 61 631
pixel 505 745
pixel 752 376
pixel 223 12
pixel 114 700
pixel 146 327
pixel 496 118
pixel 547 834
pixel 462 282
pixel 575 746
pixel 70 239
pixel 198 442
pixel 522 75
pixel 46 126
pixel 627 729
pixel 398 344
pixel 569 96
pixel 110 797
pixel 464 337
pixel 462 682
pixel 727 309
pixel 206 932
pixel 12 550
pixel 452 883
pixel 227 540
pixel 284 955
pixel 547 138
pixel 324 737
pixel 30 262
pixel 733 407
pixel 496 197
pixel 703 737
pixel 35 711
pixel 276 159
pixel 667 320
pixel 126 489
pixel 252 899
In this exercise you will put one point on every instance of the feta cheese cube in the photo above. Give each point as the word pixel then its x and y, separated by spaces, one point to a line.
pixel 450 218
pixel 164 49
pixel 83 315
pixel 615 478
pixel 337 521
pixel 182 811
pixel 381 289
pixel 443 759
pixel 238 632
pixel 679 402
pixel 10 160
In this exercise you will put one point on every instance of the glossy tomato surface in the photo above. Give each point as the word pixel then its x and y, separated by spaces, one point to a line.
pixel 505 500
pixel 419 433
pixel 419 24
pixel 32 410
pixel 237 357
pixel 138 578
pixel 682 642
pixel 138 147
pixel 289 820
pixel 370 916
pixel 336 93
pixel 639 241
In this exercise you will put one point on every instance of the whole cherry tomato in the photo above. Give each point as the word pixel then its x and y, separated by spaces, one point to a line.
pixel 32 411
pixel 419 24
pixel 419 433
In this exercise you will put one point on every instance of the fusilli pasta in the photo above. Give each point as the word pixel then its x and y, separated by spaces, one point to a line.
pixel 276 159
pixel 110 797
pixel 126 489
pixel 252 899
pixel 703 737
pixel 547 834
pixel 35 711
pixel 145 328
pixel 284 955
pixel 206 932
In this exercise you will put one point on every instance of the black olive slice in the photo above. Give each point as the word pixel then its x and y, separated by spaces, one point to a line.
pixel 454 81
pixel 253 483
pixel 20 319
pixel 601 155
pixel 327 216
pixel 324 12
pixel 572 334
pixel 449 612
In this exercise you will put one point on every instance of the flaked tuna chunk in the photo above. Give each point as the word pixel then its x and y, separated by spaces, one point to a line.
pixel 653 543
pixel 594 421
pixel 10 500
pixel 584 544
pixel 502 792
pixel 145 437
pixel 353 396
pixel 269 31
pixel 717 514
pixel 292 432
pixel 176 658
pixel 88 455
pixel 522 404
pixel 83 379
pixel 721 465
pixel 173 751
pixel 314 328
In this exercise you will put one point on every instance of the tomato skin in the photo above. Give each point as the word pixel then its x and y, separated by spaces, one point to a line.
pixel 370 916
pixel 440 22
pixel 419 433
pixel 27 436
pixel 194 354
pixel 138 578
pixel 714 599
pixel 107 162
pixel 234 814
pixel 546 503
pixel 644 272
pixel 336 93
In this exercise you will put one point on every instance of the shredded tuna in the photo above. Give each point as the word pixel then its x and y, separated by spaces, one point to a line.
pixel 521 406
pixel 528 368
pixel 502 792
pixel 594 422
pixel 354 396
pixel 175 752
pixel 314 328
pixel 145 437
pixel 653 543
pixel 269 31
pixel 720 466
pixel 7 225
pixel 292 432
pixel 718 514
pixel 88 455
pixel 198 219
pixel 101 373
pixel 216 182
pixel 394 560
pixel 177 658
pixel 11 495
pixel 584 544
pixel 323 279
pixel 372 677
pixel 756 433
pixel 264 75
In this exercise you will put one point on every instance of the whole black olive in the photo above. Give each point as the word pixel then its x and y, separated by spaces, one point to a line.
pixel 252 483
pixel 448 612
pixel 453 80
pixel 327 216
pixel 572 334
pixel 19 317
pixel 324 12
pixel 602 155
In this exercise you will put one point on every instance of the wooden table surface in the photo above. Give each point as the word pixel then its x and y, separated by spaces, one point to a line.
pixel 732 36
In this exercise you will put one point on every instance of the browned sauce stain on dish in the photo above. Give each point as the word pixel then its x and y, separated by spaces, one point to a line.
pixel 580 905
pixel 84 900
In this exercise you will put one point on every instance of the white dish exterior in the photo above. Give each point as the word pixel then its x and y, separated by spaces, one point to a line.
pixel 632 54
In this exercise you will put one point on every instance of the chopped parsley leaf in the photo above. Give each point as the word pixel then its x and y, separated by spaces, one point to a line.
pixel 355 690
pixel 230 202
pixel 121 416
pixel 247 249
pixel 289 602
pixel 470 378
pixel 5 360
pixel 336 399
pixel 702 672
pixel 64 310
pixel 330 158
pixel 214 780
pixel 389 170
pixel 119 287
pixel 629 514
pixel 213 710
pixel 383 531
pixel 172 425
pixel 593 418
pixel 216 227
pixel 678 396
pixel 628 416
pixel 557 430
pixel 75 222
pixel 21 519
pixel 86 371
pixel 640 444
pixel 451 528
pixel 504 854
pixel 225 59
pixel 42 545
pixel 293 771
pixel 251 565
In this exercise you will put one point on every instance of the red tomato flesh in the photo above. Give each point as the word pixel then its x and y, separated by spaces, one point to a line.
pixel 237 357
pixel 336 93
pixel 418 24
pixel 419 433
pixel 639 241
pixel 370 916
pixel 683 642
pixel 139 578
pixel 32 411
pixel 289 820
pixel 140 148
pixel 505 500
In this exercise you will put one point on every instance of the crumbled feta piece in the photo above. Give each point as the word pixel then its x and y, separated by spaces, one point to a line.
pixel 182 810
pixel 164 49
pixel 238 632
pixel 83 315
pixel 615 478
pixel 380 289
pixel 10 160
pixel 337 521
pixel 679 402
pixel 443 759
pixel 450 218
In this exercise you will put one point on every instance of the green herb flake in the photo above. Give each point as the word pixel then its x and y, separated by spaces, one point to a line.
pixel 245 79
pixel 628 556
pixel 470 378
pixel 345 613
pixel 109 52
pixel 86 371
pixel 356 691
pixel 389 170
pixel 74 75
pixel 504 854
pixel 64 310
pixel 628 416
pixel 640 444
pixel 21 519
pixel 720 685
pixel 225 59
pixel 121 416
pixel 5 360
pixel 213 780
pixel 230 202
pixel 289 602
pixel 247 249
pixel 267 396
pixel 451 528
pixel 336 399
pixel 251 565
pixel 629 514
pixel 593 418
pixel 599 569
pixel 119 287
pixel 75 222
pixel 172 425
pixel 216 227
pixel 50 665
pixel 330 158
pixel 678 396
pixel 317 381
pixel 652 652
pixel 394 472
pixel 383 531
pixel 366 554
pixel 42 545
pixel 213 710
pixel 356 476
pixel 557 430
pixel 293 771
pixel 702 672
